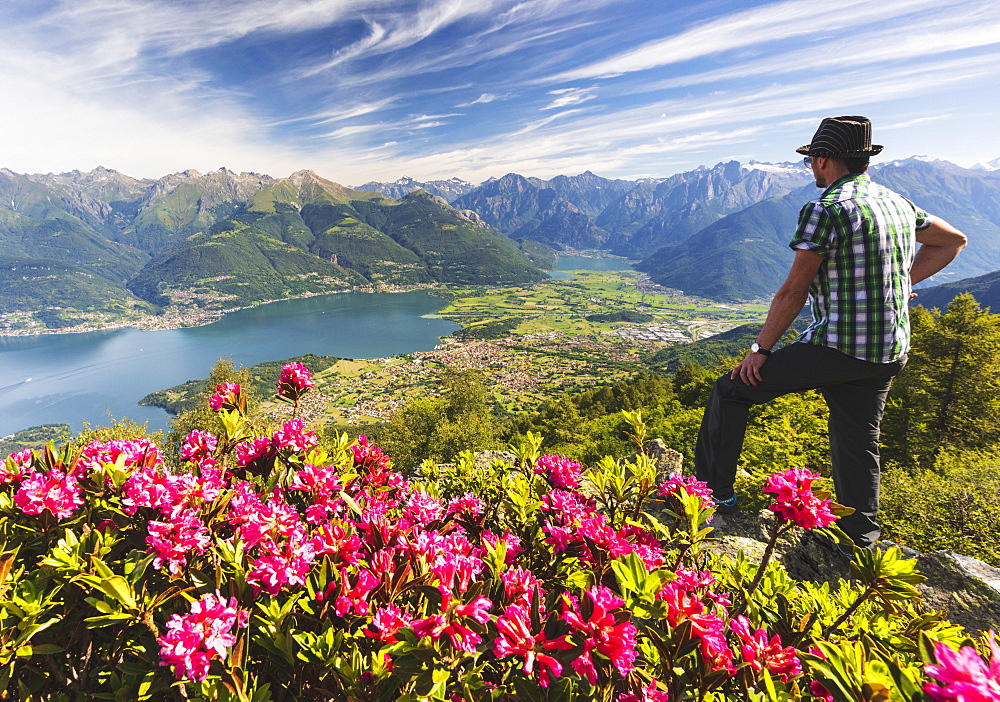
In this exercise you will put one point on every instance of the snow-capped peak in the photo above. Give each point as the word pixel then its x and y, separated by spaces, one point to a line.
pixel 993 165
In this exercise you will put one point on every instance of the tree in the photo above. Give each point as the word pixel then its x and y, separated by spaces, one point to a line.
pixel 439 428
pixel 948 396
pixel 202 417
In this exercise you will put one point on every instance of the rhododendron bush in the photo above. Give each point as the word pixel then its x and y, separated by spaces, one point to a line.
pixel 273 567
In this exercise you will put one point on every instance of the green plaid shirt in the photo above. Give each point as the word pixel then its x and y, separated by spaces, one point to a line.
pixel 861 293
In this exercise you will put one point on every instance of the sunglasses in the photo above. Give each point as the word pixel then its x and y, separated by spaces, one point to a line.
pixel 807 161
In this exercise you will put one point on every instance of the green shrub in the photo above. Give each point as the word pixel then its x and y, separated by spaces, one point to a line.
pixel 954 505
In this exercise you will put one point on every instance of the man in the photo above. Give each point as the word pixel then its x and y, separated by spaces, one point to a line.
pixel 854 258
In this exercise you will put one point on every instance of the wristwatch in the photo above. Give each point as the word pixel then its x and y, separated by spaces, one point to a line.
pixel 757 348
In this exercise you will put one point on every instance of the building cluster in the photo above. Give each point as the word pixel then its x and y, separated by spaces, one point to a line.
pixel 654 333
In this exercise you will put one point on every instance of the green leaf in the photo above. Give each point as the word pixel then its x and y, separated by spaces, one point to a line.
pixel 107 620
pixel 118 588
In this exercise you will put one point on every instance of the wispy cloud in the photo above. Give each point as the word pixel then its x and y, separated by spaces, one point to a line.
pixel 953 32
pixel 766 24
pixel 483 99
pixel 569 96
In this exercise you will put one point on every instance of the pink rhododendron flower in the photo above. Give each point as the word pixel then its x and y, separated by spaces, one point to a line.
pixel 456 571
pixel 560 471
pixel 461 636
pixel 450 557
pixel 517 639
pixel 198 445
pixel 816 689
pixel 650 693
pixel 467 504
pixel 135 452
pixel 295 381
pixel 147 487
pixel 373 464
pixel 319 481
pixel 265 523
pixel 55 491
pixel 795 500
pixel 323 485
pixel 762 653
pixel 513 543
pixel 188 491
pixel 333 539
pixel 478 609
pixel 689 484
pixel 386 623
pixel 421 508
pixel 286 566
pixel 16 465
pixel 645 545
pixel 172 541
pixel 229 396
pixel 294 437
pixel 714 647
pixel 194 640
pixel 253 450
pixel 353 598
pixel 520 584
pixel 681 602
pixel 569 507
pixel 602 634
pixel 963 675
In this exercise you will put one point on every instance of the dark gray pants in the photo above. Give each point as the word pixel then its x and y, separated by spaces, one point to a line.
pixel 854 390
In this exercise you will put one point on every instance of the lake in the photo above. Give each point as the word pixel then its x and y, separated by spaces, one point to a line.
pixel 591 263
pixel 72 378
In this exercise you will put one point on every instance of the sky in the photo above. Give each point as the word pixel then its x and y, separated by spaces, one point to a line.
pixel 361 90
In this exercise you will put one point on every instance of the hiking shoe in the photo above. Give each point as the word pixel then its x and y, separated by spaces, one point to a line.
pixel 728 506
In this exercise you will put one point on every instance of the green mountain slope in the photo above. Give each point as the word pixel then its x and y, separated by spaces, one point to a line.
pixel 36 223
pixel 55 295
pixel 985 288
pixel 340 236
pixel 234 265
pixel 183 204
pixel 744 256
pixel 222 239
pixel 453 247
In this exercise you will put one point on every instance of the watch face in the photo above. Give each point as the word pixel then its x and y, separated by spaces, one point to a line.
pixel 755 347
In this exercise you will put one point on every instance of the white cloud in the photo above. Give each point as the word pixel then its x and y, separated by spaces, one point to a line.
pixel 483 99
pixel 769 23
pixel 569 96
pixel 953 32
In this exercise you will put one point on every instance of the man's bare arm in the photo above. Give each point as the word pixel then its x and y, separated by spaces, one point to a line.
pixel 785 307
pixel 939 243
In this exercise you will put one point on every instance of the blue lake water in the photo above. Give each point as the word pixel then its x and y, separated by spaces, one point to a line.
pixel 72 378
pixel 591 263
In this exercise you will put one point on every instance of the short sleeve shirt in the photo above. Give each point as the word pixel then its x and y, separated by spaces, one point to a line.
pixel 860 295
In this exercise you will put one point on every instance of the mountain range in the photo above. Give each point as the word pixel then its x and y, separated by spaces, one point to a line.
pixel 722 232
pixel 74 243
pixel 79 244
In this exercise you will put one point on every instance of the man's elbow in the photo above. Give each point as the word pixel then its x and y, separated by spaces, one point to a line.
pixel 792 295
